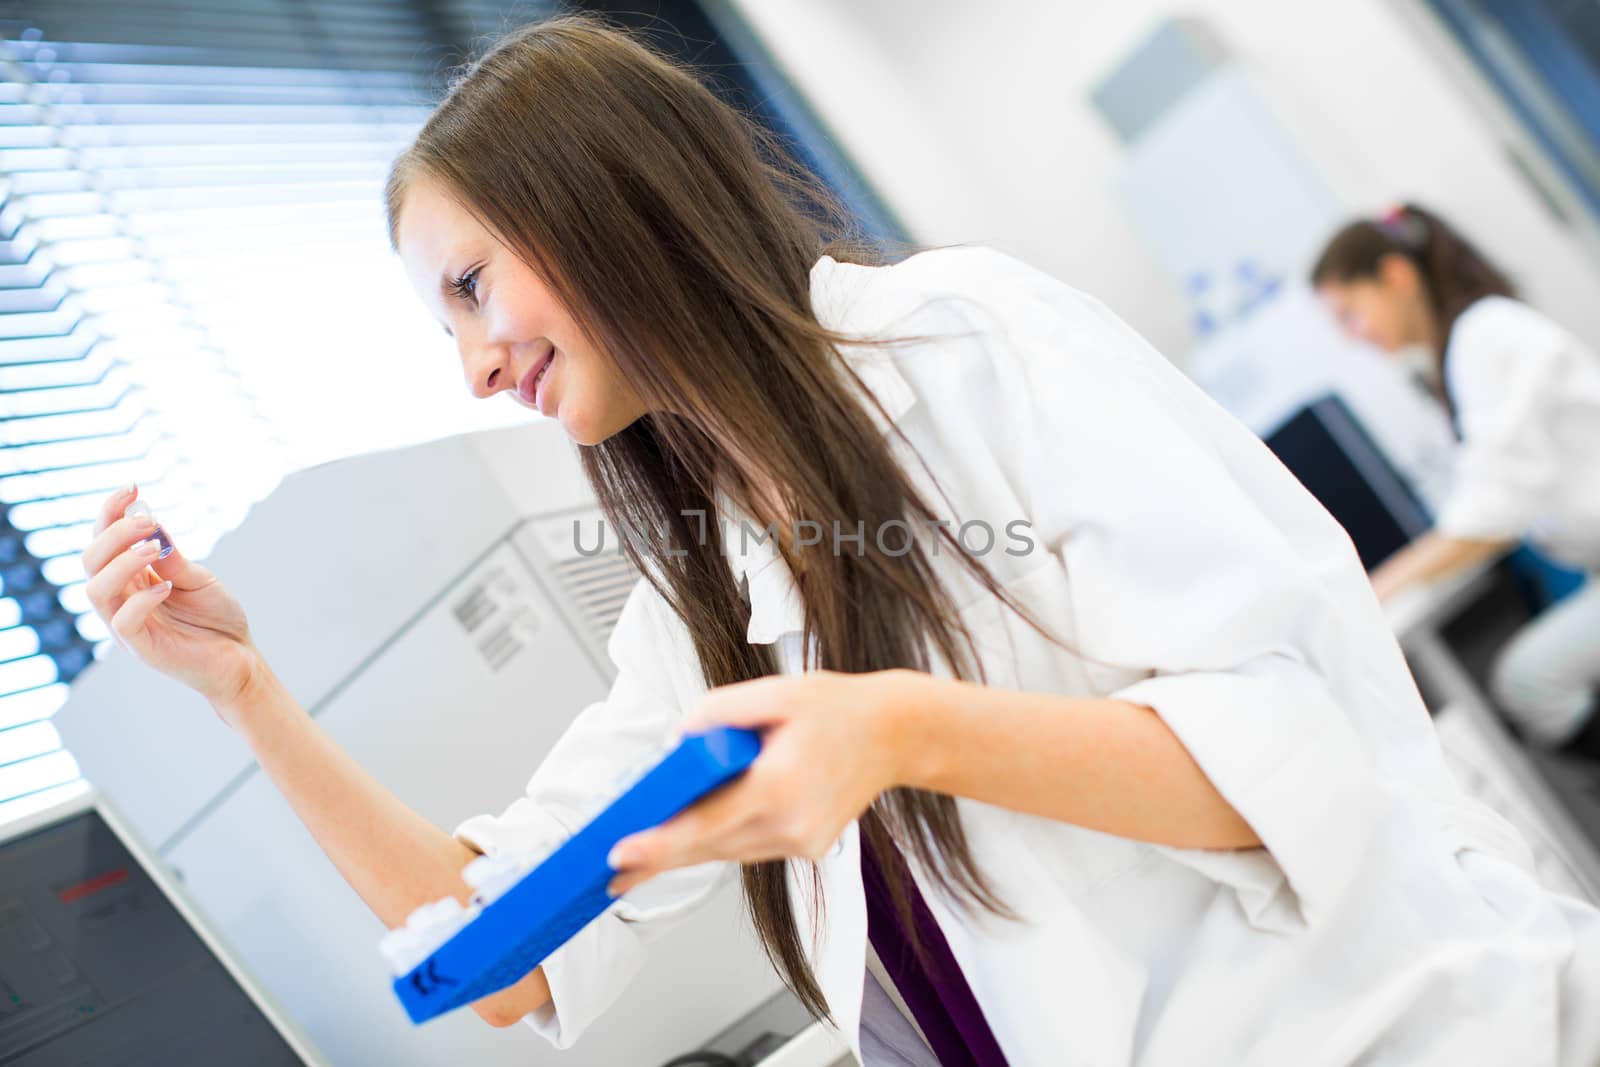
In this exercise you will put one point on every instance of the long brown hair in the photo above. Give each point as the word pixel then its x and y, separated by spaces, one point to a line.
pixel 1454 273
pixel 681 236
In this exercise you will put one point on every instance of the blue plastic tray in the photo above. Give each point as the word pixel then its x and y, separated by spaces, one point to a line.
pixel 540 913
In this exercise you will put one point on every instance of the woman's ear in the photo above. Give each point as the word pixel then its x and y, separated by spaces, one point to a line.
pixel 1398 274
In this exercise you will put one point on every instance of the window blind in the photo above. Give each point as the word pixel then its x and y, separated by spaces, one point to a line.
pixel 196 293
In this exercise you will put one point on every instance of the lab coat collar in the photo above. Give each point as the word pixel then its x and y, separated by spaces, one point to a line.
pixel 776 607
pixel 844 299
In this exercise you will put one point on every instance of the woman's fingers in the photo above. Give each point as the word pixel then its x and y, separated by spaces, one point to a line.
pixel 112 507
pixel 725 825
pixel 112 540
pixel 130 619
pixel 109 587
pixel 115 530
pixel 625 881
pixel 746 846
pixel 184 573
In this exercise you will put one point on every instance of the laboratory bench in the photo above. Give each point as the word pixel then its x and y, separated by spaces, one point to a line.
pixel 1450 632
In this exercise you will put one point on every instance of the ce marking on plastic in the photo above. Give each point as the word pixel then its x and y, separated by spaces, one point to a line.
pixel 428 981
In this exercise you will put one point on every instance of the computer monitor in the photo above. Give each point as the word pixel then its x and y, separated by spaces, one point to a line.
pixel 1338 461
pixel 103 961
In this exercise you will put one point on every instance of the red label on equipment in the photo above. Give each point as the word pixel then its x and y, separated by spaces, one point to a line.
pixel 93 885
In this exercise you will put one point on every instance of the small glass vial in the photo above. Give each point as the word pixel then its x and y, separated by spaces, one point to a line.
pixel 139 507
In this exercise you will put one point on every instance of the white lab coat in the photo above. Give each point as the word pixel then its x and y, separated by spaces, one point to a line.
pixel 1390 918
pixel 1527 398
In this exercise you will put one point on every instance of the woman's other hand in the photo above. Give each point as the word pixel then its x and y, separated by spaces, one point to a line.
pixel 172 613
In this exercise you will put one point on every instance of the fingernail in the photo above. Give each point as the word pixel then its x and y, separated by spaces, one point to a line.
pixel 164 586
pixel 141 511
pixel 619 857
pixel 128 489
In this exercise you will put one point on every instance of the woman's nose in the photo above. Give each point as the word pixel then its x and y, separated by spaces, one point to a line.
pixel 488 371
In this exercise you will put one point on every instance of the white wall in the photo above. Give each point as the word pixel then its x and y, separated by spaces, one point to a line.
pixel 973 121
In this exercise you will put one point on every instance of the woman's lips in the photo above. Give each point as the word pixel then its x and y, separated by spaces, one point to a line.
pixel 528 387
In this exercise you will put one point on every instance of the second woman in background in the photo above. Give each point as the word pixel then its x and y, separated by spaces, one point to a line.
pixel 1523 394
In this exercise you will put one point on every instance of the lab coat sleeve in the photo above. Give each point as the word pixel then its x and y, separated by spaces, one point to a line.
pixel 1196 559
pixel 657 680
pixel 1504 359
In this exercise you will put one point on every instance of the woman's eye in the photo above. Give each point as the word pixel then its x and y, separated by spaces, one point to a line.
pixel 465 286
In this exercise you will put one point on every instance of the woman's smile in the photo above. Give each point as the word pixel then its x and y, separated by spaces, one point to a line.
pixel 531 389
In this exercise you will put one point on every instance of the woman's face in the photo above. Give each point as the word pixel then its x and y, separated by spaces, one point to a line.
pixel 514 337
pixel 1386 310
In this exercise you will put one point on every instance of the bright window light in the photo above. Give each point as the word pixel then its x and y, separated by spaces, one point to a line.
pixel 199 298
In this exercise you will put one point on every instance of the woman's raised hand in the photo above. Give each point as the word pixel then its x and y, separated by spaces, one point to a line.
pixel 172 613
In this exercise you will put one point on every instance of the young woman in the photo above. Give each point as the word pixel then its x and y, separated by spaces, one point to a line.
pixel 1524 395
pixel 1084 739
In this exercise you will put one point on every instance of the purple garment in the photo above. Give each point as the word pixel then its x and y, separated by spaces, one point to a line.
pixel 938 995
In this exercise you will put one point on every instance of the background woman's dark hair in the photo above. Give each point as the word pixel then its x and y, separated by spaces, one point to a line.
pixel 680 236
pixel 1454 273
